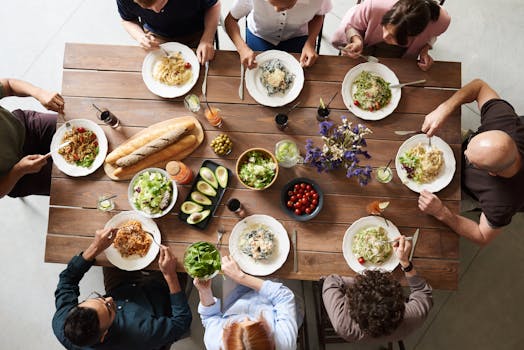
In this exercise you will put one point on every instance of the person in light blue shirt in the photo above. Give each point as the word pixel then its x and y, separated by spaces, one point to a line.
pixel 257 314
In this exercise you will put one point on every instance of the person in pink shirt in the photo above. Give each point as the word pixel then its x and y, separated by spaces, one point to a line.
pixel 391 28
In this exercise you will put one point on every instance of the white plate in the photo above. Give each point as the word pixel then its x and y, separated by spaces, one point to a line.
pixel 381 70
pixel 174 196
pixel 164 90
pixel 134 262
pixel 446 173
pixel 362 223
pixel 75 170
pixel 248 264
pixel 259 92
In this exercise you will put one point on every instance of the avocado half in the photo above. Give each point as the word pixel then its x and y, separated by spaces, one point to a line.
pixel 190 207
pixel 206 188
pixel 209 176
pixel 200 198
pixel 195 218
pixel 221 175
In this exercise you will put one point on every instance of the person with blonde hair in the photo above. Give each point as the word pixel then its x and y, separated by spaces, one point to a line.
pixel 258 314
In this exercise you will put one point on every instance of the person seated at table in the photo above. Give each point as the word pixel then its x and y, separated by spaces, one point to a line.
pixel 153 22
pixel 391 28
pixel 372 307
pixel 25 137
pixel 138 312
pixel 492 165
pixel 287 25
pixel 258 314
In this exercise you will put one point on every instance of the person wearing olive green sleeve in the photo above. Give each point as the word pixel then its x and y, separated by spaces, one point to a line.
pixel 25 137
pixel 372 307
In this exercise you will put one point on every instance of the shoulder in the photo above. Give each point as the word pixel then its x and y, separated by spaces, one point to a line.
pixel 498 114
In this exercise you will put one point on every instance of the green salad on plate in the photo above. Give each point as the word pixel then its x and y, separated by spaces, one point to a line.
pixel 202 260
pixel 152 192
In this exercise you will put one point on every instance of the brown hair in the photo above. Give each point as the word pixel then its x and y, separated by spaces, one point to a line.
pixel 145 3
pixel 253 336
pixel 411 17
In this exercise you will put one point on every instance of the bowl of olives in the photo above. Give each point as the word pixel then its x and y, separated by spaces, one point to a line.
pixel 222 145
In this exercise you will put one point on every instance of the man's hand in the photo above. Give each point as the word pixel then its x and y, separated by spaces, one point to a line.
pixel 167 262
pixel 231 269
pixel 354 48
pixel 202 285
pixel 247 58
pixel 51 100
pixel 308 56
pixel 103 239
pixel 402 250
pixel 148 41
pixel 205 52
pixel 431 204
pixel 31 164
pixel 426 61
pixel 434 121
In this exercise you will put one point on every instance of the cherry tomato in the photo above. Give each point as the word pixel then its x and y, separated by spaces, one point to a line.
pixel 308 211
pixel 356 103
pixel 302 185
pixel 95 143
pixel 293 198
pixel 296 187
pixel 312 207
pixel 315 195
pixel 289 204
pixel 298 211
pixel 299 196
pixel 361 260
pixel 314 201
pixel 290 193
pixel 308 187
pixel 187 65
pixel 304 200
pixel 81 129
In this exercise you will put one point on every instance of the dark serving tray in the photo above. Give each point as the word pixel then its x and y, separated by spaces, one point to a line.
pixel 215 201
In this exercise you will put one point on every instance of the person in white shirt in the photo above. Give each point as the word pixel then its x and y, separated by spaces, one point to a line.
pixel 287 25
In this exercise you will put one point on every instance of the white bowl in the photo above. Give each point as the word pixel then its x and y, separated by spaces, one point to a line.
pixel 174 196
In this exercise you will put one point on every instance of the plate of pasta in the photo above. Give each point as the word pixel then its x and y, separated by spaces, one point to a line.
pixel 366 92
pixel 173 75
pixel 133 248
pixel 259 244
pixel 421 167
pixel 277 80
pixel 86 150
pixel 365 244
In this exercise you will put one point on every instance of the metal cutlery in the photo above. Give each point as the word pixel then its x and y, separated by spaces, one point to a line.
pixel 429 141
pixel 204 84
pixel 394 240
pixel 295 257
pixel 153 238
pixel 241 86
pixel 165 52
pixel 406 132
pixel 367 58
pixel 55 150
pixel 408 83
pixel 293 107
pixel 220 232
pixel 415 238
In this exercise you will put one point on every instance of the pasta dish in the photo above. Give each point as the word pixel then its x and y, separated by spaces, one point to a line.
pixel 422 165
pixel 257 242
pixel 370 92
pixel 371 244
pixel 275 77
pixel 82 149
pixel 172 70
pixel 131 239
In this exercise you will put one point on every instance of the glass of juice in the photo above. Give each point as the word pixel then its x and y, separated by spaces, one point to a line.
pixel 287 153
pixel 384 174
pixel 213 117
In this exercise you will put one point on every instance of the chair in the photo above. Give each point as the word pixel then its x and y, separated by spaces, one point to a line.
pixel 302 339
pixel 325 331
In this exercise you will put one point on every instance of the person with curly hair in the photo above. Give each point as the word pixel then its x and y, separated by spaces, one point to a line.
pixel 371 307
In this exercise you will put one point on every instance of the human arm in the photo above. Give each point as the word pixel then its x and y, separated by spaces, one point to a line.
pixel 233 271
pixel 29 164
pixel 205 50
pixel 50 100
pixel 247 56
pixel 481 233
pixel 205 293
pixel 353 26
pixel 146 40
pixel 309 55
pixel 476 90
pixel 402 251
pixel 425 60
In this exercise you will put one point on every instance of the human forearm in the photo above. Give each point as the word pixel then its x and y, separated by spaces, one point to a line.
pixel 173 283
pixel 15 87
pixel 9 181
pixel 233 31
pixel 249 281
pixel 206 297
pixel 314 27
pixel 463 226
pixel 134 29
pixel 211 19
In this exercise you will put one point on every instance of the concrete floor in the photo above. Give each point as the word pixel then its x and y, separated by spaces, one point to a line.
pixel 485 313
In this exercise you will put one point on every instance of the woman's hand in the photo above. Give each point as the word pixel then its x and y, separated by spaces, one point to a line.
pixel 231 269
pixel 247 57
pixel 425 60
pixel 309 55
pixel 354 48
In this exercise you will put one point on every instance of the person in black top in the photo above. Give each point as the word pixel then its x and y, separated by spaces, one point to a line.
pixel 492 166
pixel 152 22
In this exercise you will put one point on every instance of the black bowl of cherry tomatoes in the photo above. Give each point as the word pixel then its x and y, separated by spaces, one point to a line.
pixel 301 199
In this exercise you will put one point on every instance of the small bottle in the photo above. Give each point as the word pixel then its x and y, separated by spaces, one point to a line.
pixel 109 118
pixel 213 117
pixel 236 207
pixel 322 111
pixel 281 121
pixel 179 172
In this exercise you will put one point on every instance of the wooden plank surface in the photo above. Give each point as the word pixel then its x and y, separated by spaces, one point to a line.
pixel 110 76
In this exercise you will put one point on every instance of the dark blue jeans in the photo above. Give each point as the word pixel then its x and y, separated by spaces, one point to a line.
pixel 256 43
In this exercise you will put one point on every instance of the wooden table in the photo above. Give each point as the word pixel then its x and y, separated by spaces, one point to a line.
pixel 110 76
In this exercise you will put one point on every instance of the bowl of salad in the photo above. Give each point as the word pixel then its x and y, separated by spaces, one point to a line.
pixel 257 168
pixel 202 260
pixel 152 193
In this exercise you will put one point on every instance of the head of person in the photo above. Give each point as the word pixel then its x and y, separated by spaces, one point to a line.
pixel 376 303
pixel 248 335
pixel 153 5
pixel 495 152
pixel 88 322
pixel 282 5
pixel 407 19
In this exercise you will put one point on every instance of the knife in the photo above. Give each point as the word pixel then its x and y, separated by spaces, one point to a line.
pixel 204 84
pixel 295 257
pixel 241 86
pixel 406 132
pixel 410 83
pixel 415 237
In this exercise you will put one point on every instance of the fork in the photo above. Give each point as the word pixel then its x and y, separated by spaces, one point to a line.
pixel 367 58
pixel 220 232
pixel 153 237
pixel 394 240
